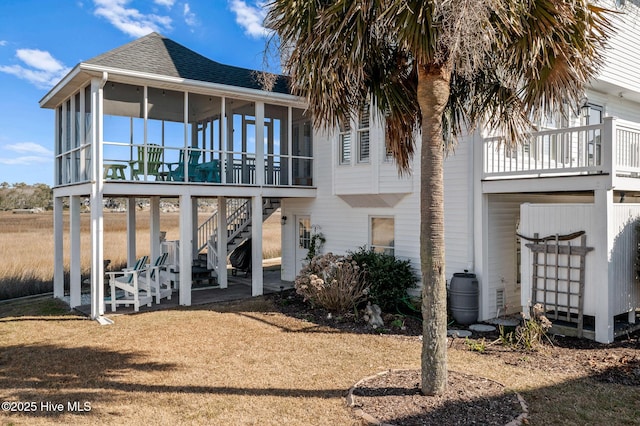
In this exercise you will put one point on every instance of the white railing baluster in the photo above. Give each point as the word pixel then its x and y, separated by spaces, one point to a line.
pixel 609 147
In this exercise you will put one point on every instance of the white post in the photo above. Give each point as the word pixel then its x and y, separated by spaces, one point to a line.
pixel 58 248
pixel 480 211
pixel 221 267
pixel 96 198
pixel 259 144
pixel 526 284
pixel 608 146
pixel 131 231
pixel 256 246
pixel 74 266
pixel 186 248
pixel 154 228
pixel 194 228
pixel 82 172
pixel 289 170
pixel 603 241
pixel 223 141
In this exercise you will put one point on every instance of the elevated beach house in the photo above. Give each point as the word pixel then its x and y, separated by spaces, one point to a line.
pixel 552 221
pixel 154 119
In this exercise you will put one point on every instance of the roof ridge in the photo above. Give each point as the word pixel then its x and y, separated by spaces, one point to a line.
pixel 157 54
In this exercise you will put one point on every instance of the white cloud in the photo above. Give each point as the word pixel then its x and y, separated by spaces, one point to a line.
pixel 36 154
pixel 29 147
pixel 41 70
pixel 26 160
pixel 250 17
pixel 189 17
pixel 167 3
pixel 3 42
pixel 39 59
pixel 131 21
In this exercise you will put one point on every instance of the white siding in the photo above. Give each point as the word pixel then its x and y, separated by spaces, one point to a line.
pixel 626 292
pixel 346 228
pixel 378 176
pixel 623 57
pixel 458 210
pixel 501 273
pixel 503 216
pixel 551 219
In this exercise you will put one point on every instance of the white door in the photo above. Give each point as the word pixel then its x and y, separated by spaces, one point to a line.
pixel 303 240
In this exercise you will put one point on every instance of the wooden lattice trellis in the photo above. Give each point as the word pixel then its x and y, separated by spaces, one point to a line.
pixel 558 276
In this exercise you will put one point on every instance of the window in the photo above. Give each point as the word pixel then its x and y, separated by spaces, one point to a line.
pixel 363 134
pixel 345 143
pixel 592 114
pixel 304 233
pixel 382 239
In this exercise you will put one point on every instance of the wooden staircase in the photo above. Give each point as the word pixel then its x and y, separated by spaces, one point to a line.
pixel 238 231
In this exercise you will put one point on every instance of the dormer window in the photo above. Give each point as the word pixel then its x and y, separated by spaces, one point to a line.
pixel 363 134
pixel 344 143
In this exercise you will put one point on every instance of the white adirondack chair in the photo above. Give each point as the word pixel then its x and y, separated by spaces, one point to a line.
pixel 128 281
pixel 156 279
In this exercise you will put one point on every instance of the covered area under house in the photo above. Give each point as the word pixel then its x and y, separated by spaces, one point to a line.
pixel 560 216
pixel 154 120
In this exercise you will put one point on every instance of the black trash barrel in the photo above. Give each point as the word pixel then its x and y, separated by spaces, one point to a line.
pixel 463 297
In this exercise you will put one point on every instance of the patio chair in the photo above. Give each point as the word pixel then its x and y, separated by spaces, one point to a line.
pixel 156 279
pixel 153 157
pixel 177 174
pixel 127 280
pixel 209 171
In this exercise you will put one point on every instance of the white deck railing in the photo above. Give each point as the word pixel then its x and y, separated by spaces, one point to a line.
pixel 610 147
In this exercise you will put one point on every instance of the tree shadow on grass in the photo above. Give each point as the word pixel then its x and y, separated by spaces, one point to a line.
pixel 62 375
pixel 394 399
pixel 44 308
pixel 50 373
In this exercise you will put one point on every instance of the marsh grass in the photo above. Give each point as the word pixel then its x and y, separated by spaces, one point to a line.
pixel 26 246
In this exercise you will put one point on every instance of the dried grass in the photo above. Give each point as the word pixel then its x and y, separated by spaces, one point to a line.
pixel 245 363
pixel 26 245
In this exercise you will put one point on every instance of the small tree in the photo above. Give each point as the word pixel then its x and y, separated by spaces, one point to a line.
pixel 388 278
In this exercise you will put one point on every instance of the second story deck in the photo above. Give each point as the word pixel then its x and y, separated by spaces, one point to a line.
pixel 611 149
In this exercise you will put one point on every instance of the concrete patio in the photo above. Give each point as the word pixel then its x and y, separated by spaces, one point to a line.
pixel 239 287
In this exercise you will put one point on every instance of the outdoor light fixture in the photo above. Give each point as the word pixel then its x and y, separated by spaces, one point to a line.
pixel 283 220
pixel 583 106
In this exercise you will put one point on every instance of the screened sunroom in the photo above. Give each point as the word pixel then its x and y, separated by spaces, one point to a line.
pixel 158 134
pixel 153 119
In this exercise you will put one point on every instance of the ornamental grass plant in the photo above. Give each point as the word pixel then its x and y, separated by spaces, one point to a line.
pixel 333 282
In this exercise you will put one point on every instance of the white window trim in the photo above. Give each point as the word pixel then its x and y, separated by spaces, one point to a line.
pixel 359 132
pixel 370 231
pixel 341 134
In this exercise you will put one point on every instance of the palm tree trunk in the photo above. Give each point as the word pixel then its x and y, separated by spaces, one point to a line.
pixel 433 94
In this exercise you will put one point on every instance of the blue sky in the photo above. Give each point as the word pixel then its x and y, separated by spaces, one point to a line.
pixel 41 40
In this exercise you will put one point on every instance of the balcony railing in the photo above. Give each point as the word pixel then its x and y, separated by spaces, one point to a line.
pixel 611 147
pixel 152 163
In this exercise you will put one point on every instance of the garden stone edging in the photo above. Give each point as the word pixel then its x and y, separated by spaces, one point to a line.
pixel 351 402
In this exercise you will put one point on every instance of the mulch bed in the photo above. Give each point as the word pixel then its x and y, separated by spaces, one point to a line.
pixel 394 397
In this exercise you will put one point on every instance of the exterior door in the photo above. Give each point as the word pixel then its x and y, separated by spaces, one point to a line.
pixel 303 240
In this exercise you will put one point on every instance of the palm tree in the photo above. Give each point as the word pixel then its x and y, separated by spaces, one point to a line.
pixel 442 67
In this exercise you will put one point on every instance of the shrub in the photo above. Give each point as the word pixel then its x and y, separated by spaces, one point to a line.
pixel 333 282
pixel 388 278
pixel 530 334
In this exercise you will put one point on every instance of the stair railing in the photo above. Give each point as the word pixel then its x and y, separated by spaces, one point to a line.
pixel 238 220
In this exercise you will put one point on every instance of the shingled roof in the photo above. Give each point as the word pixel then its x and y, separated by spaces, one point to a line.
pixel 156 54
